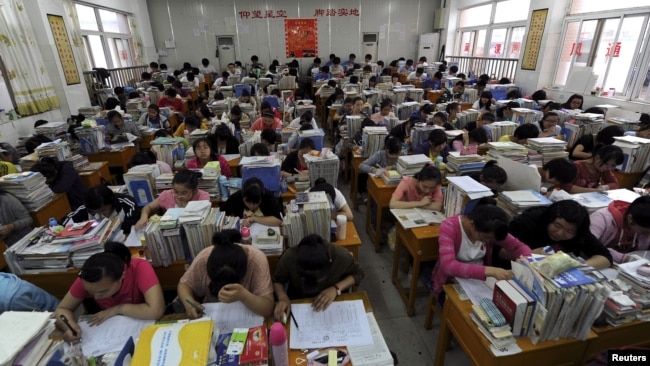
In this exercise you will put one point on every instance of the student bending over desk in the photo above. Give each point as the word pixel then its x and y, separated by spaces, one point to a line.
pixel 314 268
pixel 339 204
pixel 254 204
pixel 491 176
pixel 119 284
pixel 295 163
pixel 184 189
pixel 117 126
pixel 423 190
pixel 436 145
pixel 61 177
pixel 595 174
pixel 100 202
pixel 228 272
pixel 466 243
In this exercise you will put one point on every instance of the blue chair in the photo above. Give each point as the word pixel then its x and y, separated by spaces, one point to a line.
pixel 272 100
pixel 239 88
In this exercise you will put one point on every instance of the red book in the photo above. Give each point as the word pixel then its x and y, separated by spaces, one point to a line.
pixel 511 304
pixel 256 349
pixel 76 229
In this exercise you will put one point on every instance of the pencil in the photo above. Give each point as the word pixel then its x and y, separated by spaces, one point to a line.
pixel 195 306
pixel 294 321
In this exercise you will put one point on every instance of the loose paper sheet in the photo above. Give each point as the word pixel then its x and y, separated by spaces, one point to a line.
pixel 344 323
pixel 233 315
pixel 376 354
pixel 111 335
pixel 475 289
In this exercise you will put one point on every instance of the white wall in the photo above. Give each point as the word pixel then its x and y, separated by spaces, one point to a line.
pixel 402 22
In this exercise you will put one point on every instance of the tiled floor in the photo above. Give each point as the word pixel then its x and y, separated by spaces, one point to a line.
pixel 404 335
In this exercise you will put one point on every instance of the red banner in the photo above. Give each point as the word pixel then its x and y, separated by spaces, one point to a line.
pixel 301 37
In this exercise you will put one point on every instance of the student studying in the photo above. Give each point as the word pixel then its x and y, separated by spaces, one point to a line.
pixel 595 174
pixel 423 190
pixel 61 177
pixel 204 154
pixel 99 202
pixel 254 204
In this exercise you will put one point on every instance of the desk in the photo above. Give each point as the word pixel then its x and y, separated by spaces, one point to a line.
pixel 456 320
pixel 95 174
pixel 145 143
pixel 422 244
pixel 234 167
pixel 354 188
pixel 289 194
pixel 58 207
pixel 331 125
pixel 434 95
pixel 636 333
pixel 115 159
pixel 379 194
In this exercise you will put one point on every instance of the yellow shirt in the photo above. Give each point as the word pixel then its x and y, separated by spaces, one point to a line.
pixel 504 138
pixel 181 129
pixel 7 168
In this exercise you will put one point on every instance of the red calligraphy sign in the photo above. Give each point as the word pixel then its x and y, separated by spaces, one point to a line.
pixel 343 12
pixel 244 14
pixel 281 14
pixel 497 49
pixel 331 12
pixel 616 52
pixel 257 14
pixel 319 12
pixel 354 12
pixel 301 38
pixel 269 14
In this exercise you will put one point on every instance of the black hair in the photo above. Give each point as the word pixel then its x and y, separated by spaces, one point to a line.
pixel 427 109
pixel 526 131
pixel 453 106
pixel 538 95
pixel 325 187
pixel 162 133
pixel 111 103
pixel 49 167
pixel 145 157
pixel 485 94
pixel 513 94
pixel 639 209
pixel 205 62
pixel 154 65
pixel 595 110
pixel 504 80
pixel 253 190
pixel 572 212
pixel 571 98
pixel 307 116
pixel 393 145
pixel 419 70
pixel 385 103
pixel 118 90
pixel 214 156
pixel 187 178
pixel 608 153
pixel 189 76
pixel 313 261
pixel 269 136
pixel 245 93
pixel 177 84
pixel 442 115
pixel 192 121
pixel 110 263
pixel 170 92
pixel 562 170
pixel 260 149
pixel 325 69
pixel 546 115
pixel 317 60
pixel 112 114
pixel 493 173
pixel 488 116
pixel 331 83
pixel 223 132
pixel 236 110
pixel 154 107
pixel 98 196
pixel 145 75
pixel 484 77
pixel 489 218
pixel 347 100
pixel 644 119
pixel 35 141
pixel 453 69
pixel 429 172
pixel 607 134
pixel 478 135
pixel 254 58
pixel 507 107
pixel 134 95
pixel 553 106
pixel 228 262
pixel 41 122
pixel 354 79
pixel 337 60
pixel 305 127
pixel 205 111
pixel 437 137
pixel 307 142
pixel 461 75
pixel 320 180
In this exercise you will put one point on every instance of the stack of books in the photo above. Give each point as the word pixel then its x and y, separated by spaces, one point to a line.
pixel 522 116
pixel 267 238
pixel 134 107
pixel 581 124
pixel 92 139
pixel 164 182
pixel 550 148
pixel 405 109
pixel 93 241
pixel 198 234
pixel 636 151
pixel 53 130
pixel 210 184
pixel 510 150
pixel 250 139
pixel 29 343
pixel 462 195
pixel 28 161
pixel 629 298
pixel 168 149
pixel 140 182
pixel 197 134
pixel 411 164
pixel 458 164
pixel 90 111
pixel 80 162
pixel 515 202
pixel 500 336
pixel 391 177
pixel 496 130
pixel 30 189
pixel 372 139
pixel 312 217
pixel 624 123
pixel 58 149
pixel 420 134
pixel 465 117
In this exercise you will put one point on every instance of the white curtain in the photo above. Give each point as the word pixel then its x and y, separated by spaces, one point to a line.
pixel 30 82
pixel 137 42
pixel 78 47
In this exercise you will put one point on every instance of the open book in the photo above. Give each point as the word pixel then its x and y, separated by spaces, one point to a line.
pixel 416 217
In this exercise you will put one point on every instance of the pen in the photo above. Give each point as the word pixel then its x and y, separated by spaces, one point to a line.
pixel 67 323
pixel 294 321
pixel 297 171
pixel 195 306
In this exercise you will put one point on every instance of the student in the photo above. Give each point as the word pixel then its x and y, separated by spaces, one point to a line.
pixel 564 225
pixel 522 134
pixel 505 113
pixel 422 62
pixel 190 124
pixel 558 172
pixel 491 176
pixel 295 163
pixel 440 119
pixel 466 245
pixel 423 190
pixel 245 98
pixel 394 80
pixel 385 113
pixel 385 159
pixel 233 71
pixel 192 79
pixel 623 227
pixel 643 127
pixel 548 126
pixel 100 202
pixel 222 81
pixel 477 136
pixel 330 85
pixel 407 67
pixel 121 96
pixel 153 118
pixel 436 145
pixel 341 206
pixel 171 100
pixel 324 74
pixel 118 284
pixel 147 157
pixel 575 102
pixel 331 60
pixel 62 177
pixel 586 144
pixel 314 268
pixel 452 110
pixel 184 189
pixel 204 115
pixel 336 69
pixel 227 272
pixel 306 118
pixel 268 120
pixel 268 137
pixel 224 141
pixel 111 103
pixel 205 68
pixel 514 94
pixel 204 154
pixel 254 204
pixel 456 93
pixel 20 295
pixel 484 103
pixel 423 113
pixel 180 91
pixel 117 126
pixel 14 217
pixel 237 117
pixel 417 75
pixel 595 174
pixel 403 130
pixel 260 149
pixel 344 110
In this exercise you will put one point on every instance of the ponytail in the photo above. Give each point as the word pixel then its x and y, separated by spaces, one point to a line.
pixel 109 264
pixel 227 262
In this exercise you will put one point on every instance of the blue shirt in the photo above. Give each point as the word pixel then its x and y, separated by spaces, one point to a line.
pixel 320 76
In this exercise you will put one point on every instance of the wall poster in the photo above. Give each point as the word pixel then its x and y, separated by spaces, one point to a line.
pixel 534 39
pixel 64 49
pixel 301 37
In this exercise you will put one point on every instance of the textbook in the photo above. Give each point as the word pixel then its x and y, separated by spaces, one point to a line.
pixel 416 217
pixel 512 304
pixel 174 344
pixel 530 308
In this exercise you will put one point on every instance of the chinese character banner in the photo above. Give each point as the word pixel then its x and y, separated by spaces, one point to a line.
pixel 534 39
pixel 64 49
pixel 301 37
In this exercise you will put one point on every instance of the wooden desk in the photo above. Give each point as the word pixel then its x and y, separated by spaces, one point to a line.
pixel 456 320
pixel 434 95
pixel 422 244
pixel 115 159
pixel 354 188
pixel 145 143
pixel 636 333
pixel 289 194
pixel 235 171
pixel 379 194
pixel 58 207
pixel 331 126
pixel 95 174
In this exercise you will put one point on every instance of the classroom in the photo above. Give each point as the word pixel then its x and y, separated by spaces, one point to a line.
pixel 419 164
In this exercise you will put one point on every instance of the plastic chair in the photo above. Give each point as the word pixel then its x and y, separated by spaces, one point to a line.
pixel 239 88
pixel 272 100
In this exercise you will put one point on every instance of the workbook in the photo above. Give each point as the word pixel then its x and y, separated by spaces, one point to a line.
pixel 183 343
pixel 416 217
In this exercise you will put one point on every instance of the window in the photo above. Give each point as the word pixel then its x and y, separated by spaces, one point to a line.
pixel 107 37
pixel 590 6
pixel 493 30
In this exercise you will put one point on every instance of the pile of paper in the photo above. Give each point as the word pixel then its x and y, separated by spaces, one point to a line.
pixel 89 111
pixel 515 202
pixel 372 139
pixel 25 340
pixel 461 192
pixel 168 149
pixel 93 242
pixel 496 130
pixel 522 116
pixel 28 161
pixel 134 107
pixel 624 123
pixel 458 164
pixel 411 164
pixel 92 139
pixel 250 139
pixel 53 130
pixel 636 151
pixel 550 148
pixel 312 217
pixel 30 189
pixel 510 150
pixel 80 162
pixel 58 149
pixel 391 177
pixel 198 234
pixel 405 110
pixel 421 134
pixel 267 238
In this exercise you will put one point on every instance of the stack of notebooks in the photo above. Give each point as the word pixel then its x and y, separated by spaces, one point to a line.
pixel 391 177
pixel 26 338
pixel 140 182
pixel 550 148
pixel 465 117
pixel 134 107
pixel 510 150
pixel 210 184
pixel 636 151
pixel 492 324
pixel 58 149
pixel 146 130
pixel 405 109
pixel 267 238
pixel 515 202
pixel 197 134
pixel 312 217
pixel 522 116
pixel 53 130
pixel 581 124
pixel 90 111
pixel 624 123
pixel 629 298
pixel 30 189
pixel 373 139
pixel 420 134
pixel 198 234
pixel 411 164
pixel 458 164
pixel 28 161
pixel 80 162
pixel 496 130
pixel 250 139
pixel 168 149
pixel 93 240
pixel 164 182
pixel 92 139
pixel 462 194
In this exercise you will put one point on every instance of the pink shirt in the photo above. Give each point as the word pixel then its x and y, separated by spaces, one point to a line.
pixel 259 125
pixel 166 199
pixel 139 277
pixel 223 164
pixel 584 178
pixel 407 192
pixel 164 167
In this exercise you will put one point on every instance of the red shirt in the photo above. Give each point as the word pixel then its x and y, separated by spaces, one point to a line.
pixel 177 103
pixel 259 125
pixel 139 277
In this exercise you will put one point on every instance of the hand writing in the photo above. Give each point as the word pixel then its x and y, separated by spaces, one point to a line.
pixel 425 201
pixel 324 299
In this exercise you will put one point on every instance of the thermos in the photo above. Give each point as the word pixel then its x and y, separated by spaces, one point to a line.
pixel 279 344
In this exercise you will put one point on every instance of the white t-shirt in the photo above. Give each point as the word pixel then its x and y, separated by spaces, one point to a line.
pixel 296 123
pixel 339 200
pixel 195 82
pixel 207 70
pixel 470 252
pixel 413 76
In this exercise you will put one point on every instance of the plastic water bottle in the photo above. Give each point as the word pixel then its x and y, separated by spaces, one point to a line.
pixel 52 223
pixel 223 181
pixel 238 136
pixel 278 134
pixel 283 185
pixel 279 345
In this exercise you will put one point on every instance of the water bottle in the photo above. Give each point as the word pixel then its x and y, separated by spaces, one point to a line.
pixel 279 345
pixel 278 134
pixel 238 136
pixel 223 181
pixel 283 185
pixel 52 223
